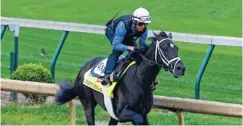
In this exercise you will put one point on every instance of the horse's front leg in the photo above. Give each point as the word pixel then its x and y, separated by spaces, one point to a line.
pixel 129 115
pixel 145 118
pixel 137 119
pixel 113 121
pixel 145 121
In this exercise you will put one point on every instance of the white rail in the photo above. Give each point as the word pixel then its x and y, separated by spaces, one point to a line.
pixel 96 29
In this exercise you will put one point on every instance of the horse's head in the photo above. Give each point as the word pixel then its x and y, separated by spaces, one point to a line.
pixel 165 53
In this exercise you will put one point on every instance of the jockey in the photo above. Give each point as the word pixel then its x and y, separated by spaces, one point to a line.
pixel 123 33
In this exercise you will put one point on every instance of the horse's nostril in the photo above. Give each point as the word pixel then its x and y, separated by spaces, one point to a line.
pixel 178 68
pixel 184 69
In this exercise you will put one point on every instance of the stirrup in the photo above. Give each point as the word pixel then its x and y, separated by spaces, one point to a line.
pixel 106 80
pixel 152 87
pixel 154 84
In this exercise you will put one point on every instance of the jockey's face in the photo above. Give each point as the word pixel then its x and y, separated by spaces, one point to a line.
pixel 140 26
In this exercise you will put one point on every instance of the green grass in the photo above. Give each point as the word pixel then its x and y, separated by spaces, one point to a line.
pixel 43 115
pixel 217 17
pixel 15 114
pixel 221 81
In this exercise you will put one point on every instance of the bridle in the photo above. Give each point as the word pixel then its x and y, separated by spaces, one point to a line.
pixel 159 51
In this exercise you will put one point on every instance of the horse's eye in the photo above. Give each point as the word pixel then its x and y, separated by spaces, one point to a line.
pixel 166 48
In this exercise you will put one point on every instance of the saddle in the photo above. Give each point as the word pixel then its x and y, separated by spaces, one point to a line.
pixel 121 65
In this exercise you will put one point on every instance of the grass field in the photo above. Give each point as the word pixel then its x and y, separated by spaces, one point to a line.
pixel 56 115
pixel 217 17
pixel 221 81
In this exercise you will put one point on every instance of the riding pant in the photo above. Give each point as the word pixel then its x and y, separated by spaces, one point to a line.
pixel 113 57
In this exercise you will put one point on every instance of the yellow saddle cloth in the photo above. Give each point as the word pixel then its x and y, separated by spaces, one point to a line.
pixel 95 82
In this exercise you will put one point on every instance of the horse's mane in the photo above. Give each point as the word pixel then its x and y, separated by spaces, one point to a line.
pixel 144 49
pixel 163 34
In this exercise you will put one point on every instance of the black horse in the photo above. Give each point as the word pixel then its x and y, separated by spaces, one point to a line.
pixel 133 98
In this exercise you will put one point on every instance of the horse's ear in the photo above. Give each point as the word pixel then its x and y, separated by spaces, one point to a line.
pixel 155 35
pixel 170 35
pixel 163 34
pixel 162 31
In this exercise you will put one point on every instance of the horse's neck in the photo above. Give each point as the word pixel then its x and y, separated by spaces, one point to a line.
pixel 146 73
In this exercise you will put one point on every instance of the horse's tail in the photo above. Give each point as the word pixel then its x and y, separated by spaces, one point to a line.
pixel 66 93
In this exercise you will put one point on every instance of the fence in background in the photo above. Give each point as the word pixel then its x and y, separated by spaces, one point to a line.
pixel 212 41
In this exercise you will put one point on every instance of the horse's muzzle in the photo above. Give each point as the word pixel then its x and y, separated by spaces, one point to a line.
pixel 179 69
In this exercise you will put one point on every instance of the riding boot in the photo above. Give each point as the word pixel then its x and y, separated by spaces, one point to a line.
pixel 110 66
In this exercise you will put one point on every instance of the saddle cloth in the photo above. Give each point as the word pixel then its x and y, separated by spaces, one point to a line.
pixel 99 69
pixel 93 75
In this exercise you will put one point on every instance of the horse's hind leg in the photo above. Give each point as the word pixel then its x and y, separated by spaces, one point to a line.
pixel 89 105
pixel 113 121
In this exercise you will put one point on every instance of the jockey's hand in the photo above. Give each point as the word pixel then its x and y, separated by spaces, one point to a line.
pixel 130 48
